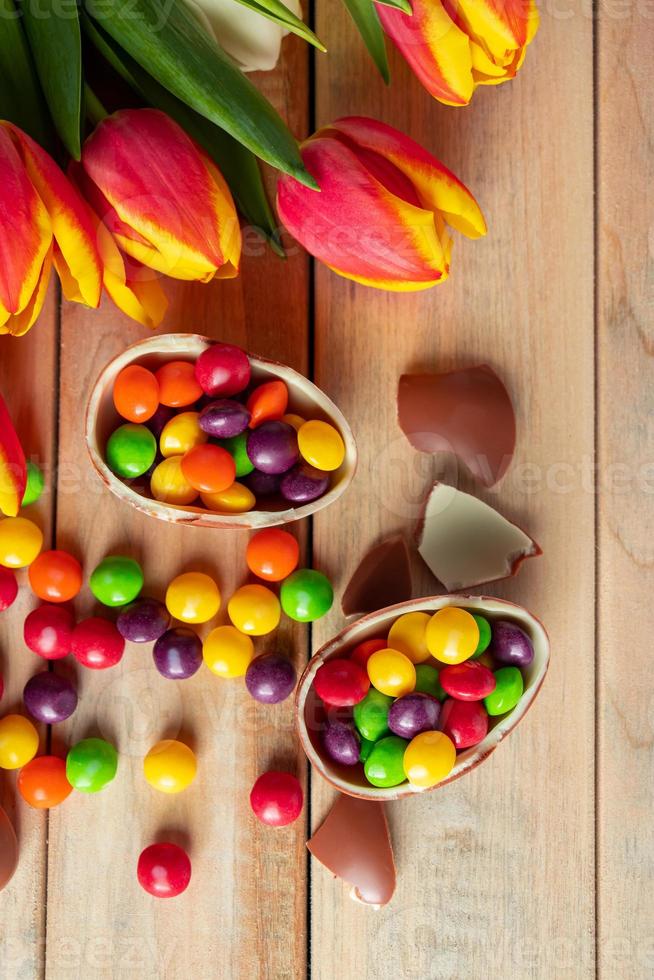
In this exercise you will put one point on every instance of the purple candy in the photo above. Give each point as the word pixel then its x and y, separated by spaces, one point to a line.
pixel 262 484
pixel 177 653
pixel 272 447
pixel 304 483
pixel 143 621
pixel 159 419
pixel 50 698
pixel 270 678
pixel 224 419
pixel 412 714
pixel 341 743
pixel 510 646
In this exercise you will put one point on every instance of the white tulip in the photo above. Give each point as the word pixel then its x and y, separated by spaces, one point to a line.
pixel 253 41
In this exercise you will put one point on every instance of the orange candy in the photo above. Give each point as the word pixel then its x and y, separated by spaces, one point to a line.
pixel 55 576
pixel 268 401
pixel 42 782
pixel 177 384
pixel 136 393
pixel 272 554
pixel 209 468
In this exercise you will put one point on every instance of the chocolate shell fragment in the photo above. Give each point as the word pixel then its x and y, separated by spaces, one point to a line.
pixel 466 412
pixel 466 543
pixel 382 578
pixel 354 844
pixel 8 850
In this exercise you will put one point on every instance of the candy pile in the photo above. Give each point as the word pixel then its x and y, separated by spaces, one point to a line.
pixel 202 434
pixel 404 705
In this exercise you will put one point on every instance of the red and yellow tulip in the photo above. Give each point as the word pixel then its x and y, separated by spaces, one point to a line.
pixel 43 222
pixel 162 207
pixel 13 470
pixel 385 204
pixel 455 45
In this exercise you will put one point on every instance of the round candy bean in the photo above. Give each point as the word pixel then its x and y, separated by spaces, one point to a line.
pixel 341 743
pixel 136 393
pixel 170 766
pixel 237 447
pixel 34 485
pixel 177 653
pixel 182 433
pixel 412 714
pixel 272 447
pixel 19 742
pixel 49 698
pixel 484 635
pixel 321 445
pixel 48 631
pixel 223 370
pixel 224 419
pixel 210 469
pixel 177 383
pixel 20 542
pixel 341 683
pixel 96 643
pixel 143 621
pixel 366 749
pixel 295 420
pixel 169 485
pixel 227 651
pixel 268 401
pixel 304 483
pixel 364 651
pixel 55 576
pixel 469 681
pixel 407 634
pixel 384 767
pixel 429 758
pixel 8 588
pixel 272 554
pixel 131 450
pixel 236 499
pixel 164 870
pixel 159 420
pixel 262 484
pixel 277 799
pixel 509 687
pixel 254 609
pixel 306 595
pixel 465 722
pixel 42 782
pixel 452 635
pixel 116 580
pixel 371 715
pixel 91 765
pixel 511 646
pixel 391 672
pixel 270 678
pixel 427 681
pixel 193 597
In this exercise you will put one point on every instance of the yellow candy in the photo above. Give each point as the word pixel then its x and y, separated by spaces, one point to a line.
pixel 407 634
pixel 170 766
pixel 19 742
pixel 193 597
pixel 321 445
pixel 20 542
pixel 236 499
pixel 254 609
pixel 181 433
pixel 452 635
pixel 169 484
pixel 391 673
pixel 428 759
pixel 227 652
pixel 295 420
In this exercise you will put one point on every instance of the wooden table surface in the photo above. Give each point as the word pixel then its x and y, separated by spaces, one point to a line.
pixel 538 864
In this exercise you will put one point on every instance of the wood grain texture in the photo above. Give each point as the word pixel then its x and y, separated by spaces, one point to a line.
pixel 496 871
pixel 625 166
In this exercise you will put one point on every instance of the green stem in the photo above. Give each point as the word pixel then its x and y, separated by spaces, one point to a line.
pixel 95 111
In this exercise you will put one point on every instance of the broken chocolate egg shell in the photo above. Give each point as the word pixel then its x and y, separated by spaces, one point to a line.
pixel 382 578
pixel 8 849
pixel 305 399
pixel 310 711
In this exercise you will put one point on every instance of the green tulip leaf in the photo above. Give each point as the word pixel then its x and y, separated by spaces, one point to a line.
pixel 365 17
pixel 165 39
pixel 402 5
pixel 277 11
pixel 21 99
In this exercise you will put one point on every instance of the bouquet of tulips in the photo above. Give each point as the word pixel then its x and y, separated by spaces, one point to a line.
pixel 157 191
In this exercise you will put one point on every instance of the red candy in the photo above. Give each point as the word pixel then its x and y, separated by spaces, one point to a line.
pixel 277 798
pixel 341 682
pixel 364 651
pixel 48 631
pixel 8 587
pixel 96 643
pixel 164 870
pixel 469 681
pixel 465 722
pixel 55 576
pixel 222 370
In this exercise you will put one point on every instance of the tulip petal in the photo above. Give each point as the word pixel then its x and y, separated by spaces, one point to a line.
pixel 13 470
pixel 18 324
pixel 500 25
pixel 139 296
pixel 437 187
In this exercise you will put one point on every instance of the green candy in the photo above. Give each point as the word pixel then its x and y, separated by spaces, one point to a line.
pixel 371 715
pixel 508 691
pixel 236 446
pixel 365 749
pixel 34 485
pixel 116 581
pixel 385 764
pixel 484 635
pixel 91 765
pixel 131 450
pixel 306 595
pixel 427 681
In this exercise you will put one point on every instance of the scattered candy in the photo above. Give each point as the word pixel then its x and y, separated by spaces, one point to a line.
pixel 96 643
pixel 19 742
pixel 170 766
pixel 43 783
pixel 55 576
pixel 34 485
pixel 341 743
pixel 227 651
pixel 223 370
pixel 136 393
pixel 209 468
pixel 131 450
pixel 509 687
pixel 385 765
pixel 277 799
pixel 254 609
pixel 177 654
pixel 306 595
pixel 391 672
pixel 143 621
pixel 8 588
pixel 20 542
pixel 169 484
pixel 341 683
pixel 470 681
pixel 267 402
pixel 272 447
pixel 452 635
pixel 193 597
pixel 49 698
pixel 91 765
pixel 178 385
pixel 428 759
pixel 511 647
pixel 412 714
pixel 164 870
pixel 407 634
pixel 224 419
pixel 270 678
pixel 116 581
pixel 181 434
pixel 48 631
pixel 382 578
pixel 272 554
pixel 465 722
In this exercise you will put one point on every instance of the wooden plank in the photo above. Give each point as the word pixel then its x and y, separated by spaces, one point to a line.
pixel 496 872
pixel 625 165
pixel 248 893
pixel 27 381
